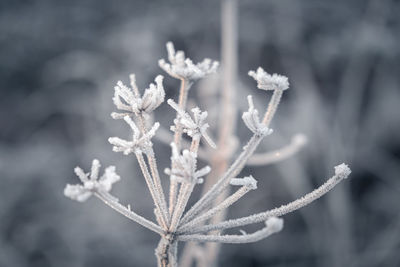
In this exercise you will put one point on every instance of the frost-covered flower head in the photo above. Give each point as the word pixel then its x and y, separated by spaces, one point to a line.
pixel 140 142
pixel 267 81
pixel 252 120
pixel 91 184
pixel 196 127
pixel 184 167
pixel 183 68
pixel 129 99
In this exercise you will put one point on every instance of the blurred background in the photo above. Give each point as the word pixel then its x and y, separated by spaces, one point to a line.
pixel 61 59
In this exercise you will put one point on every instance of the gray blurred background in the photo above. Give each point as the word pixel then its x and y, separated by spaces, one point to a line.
pixel 59 61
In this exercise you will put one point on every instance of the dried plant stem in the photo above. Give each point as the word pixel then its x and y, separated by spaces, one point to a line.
pixel 166 252
pixel 152 189
pixel 222 183
pixel 159 192
pixel 110 201
pixel 157 184
pixel 223 205
pixel 233 239
pixel 277 212
pixel 185 191
pixel 183 95
pixel 194 147
pixel 273 105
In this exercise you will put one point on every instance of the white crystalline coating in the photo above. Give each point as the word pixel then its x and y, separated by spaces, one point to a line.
pixel 267 81
pixel 94 172
pixel 274 224
pixel 82 192
pixel 129 100
pixel 77 192
pixel 196 127
pixel 342 171
pixel 184 167
pixel 247 181
pixel 252 121
pixel 140 143
pixel 183 68
pixel 108 179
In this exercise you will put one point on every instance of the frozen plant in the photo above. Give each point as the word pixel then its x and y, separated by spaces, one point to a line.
pixel 173 221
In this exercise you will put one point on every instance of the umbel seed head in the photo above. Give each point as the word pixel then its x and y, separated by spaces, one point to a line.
pixel 267 81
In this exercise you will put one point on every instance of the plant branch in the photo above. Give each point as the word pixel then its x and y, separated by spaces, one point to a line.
pixel 111 202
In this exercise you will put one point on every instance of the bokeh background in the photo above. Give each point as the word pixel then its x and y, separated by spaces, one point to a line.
pixel 59 61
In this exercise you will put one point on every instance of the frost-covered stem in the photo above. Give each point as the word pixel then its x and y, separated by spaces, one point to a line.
pixel 236 239
pixel 183 95
pixel 184 193
pixel 112 203
pixel 154 172
pixel 298 141
pixel 222 183
pixel 272 106
pixel 223 205
pixel 157 183
pixel 152 189
pixel 183 198
pixel 166 252
pixel 277 212
pixel 194 147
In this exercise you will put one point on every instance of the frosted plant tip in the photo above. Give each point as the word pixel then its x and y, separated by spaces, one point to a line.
pixel 342 170
pixel 267 81
pixel 247 181
pixel 275 224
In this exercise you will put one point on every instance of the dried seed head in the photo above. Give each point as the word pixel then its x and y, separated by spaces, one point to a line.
pixel 267 81
pixel 183 68
pixel 82 192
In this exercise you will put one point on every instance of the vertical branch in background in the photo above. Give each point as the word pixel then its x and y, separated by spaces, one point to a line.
pixel 227 120
pixel 229 51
